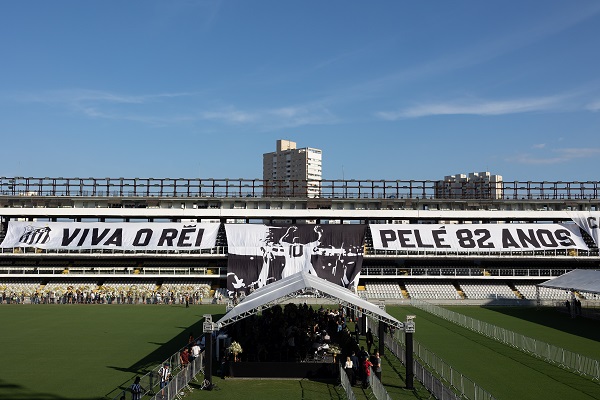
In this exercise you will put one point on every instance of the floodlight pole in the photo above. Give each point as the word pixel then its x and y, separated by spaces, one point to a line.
pixel 409 329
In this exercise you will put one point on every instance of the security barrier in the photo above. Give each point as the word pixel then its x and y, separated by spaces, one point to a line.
pixel 464 388
pixel 177 385
pixel 345 382
pixel 566 359
pixel 460 386
pixel 377 388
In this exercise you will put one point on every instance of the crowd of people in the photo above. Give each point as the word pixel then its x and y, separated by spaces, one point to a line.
pixel 573 307
pixel 8 297
pixel 292 333
pixel 126 294
pixel 358 367
pixel 300 333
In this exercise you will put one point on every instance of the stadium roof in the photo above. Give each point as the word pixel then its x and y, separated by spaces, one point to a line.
pixel 583 280
pixel 299 284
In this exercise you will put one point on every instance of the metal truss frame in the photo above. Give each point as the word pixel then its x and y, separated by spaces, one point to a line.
pixel 318 294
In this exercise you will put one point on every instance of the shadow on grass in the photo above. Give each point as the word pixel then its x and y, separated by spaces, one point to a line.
pixel 10 391
pixel 167 349
pixel 162 353
pixel 551 318
pixel 394 379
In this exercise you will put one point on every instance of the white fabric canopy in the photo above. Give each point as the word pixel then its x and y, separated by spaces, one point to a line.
pixel 584 280
pixel 298 284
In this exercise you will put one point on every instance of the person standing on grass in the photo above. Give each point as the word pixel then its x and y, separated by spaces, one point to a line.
pixel 370 340
pixel 349 368
pixel 362 356
pixel 367 372
pixel 184 358
pixel 195 351
pixel 164 374
pixel 377 365
pixel 355 366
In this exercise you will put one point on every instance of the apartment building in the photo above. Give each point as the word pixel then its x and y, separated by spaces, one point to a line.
pixel 292 172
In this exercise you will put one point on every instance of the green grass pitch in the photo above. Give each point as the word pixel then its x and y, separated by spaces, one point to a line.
pixel 64 352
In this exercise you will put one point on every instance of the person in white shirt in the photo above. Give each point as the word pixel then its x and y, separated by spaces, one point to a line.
pixel 349 368
pixel 195 351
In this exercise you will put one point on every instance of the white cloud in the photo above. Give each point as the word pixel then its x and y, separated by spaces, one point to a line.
pixel 539 146
pixel 595 106
pixel 557 156
pixel 81 96
pixel 143 109
pixel 229 115
pixel 475 108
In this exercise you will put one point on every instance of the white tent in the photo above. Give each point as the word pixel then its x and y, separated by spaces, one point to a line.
pixel 583 280
pixel 300 284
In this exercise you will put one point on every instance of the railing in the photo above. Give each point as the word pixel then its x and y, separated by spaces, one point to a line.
pixel 327 189
pixel 345 382
pixel 458 386
pixel 568 360
pixel 181 377
pixel 180 382
pixel 377 387
pixel 393 272
pixel 150 382
pixel 215 251
pixel 220 271
pixel 433 384
pixel 83 272
pixel 428 379
pixel 484 253
pixel 369 253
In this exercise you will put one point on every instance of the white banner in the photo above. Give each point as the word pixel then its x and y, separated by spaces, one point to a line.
pixel 480 237
pixel 110 235
pixel 589 222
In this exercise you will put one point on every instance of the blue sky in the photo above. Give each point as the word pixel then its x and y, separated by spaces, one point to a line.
pixel 387 89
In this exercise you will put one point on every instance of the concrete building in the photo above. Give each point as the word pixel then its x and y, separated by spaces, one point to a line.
pixel 290 171
pixel 476 185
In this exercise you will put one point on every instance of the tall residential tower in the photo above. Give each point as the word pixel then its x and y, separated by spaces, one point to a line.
pixel 292 172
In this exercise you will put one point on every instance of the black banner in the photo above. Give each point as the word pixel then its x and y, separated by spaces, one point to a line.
pixel 261 254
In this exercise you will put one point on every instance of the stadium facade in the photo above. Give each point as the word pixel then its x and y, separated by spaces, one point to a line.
pixel 403 252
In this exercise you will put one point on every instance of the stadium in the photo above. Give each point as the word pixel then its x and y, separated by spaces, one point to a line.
pixel 177 241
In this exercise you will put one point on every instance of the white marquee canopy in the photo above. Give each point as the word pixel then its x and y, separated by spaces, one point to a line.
pixel 583 280
pixel 303 283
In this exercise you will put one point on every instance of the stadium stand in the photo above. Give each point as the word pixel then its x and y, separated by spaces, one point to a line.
pixel 488 291
pixel 382 291
pixel 432 290
pixel 391 275
pixel 529 292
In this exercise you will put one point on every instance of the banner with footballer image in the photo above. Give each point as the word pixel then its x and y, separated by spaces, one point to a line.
pixel 260 254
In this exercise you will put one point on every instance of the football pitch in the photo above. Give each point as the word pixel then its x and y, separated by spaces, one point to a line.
pixel 65 352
